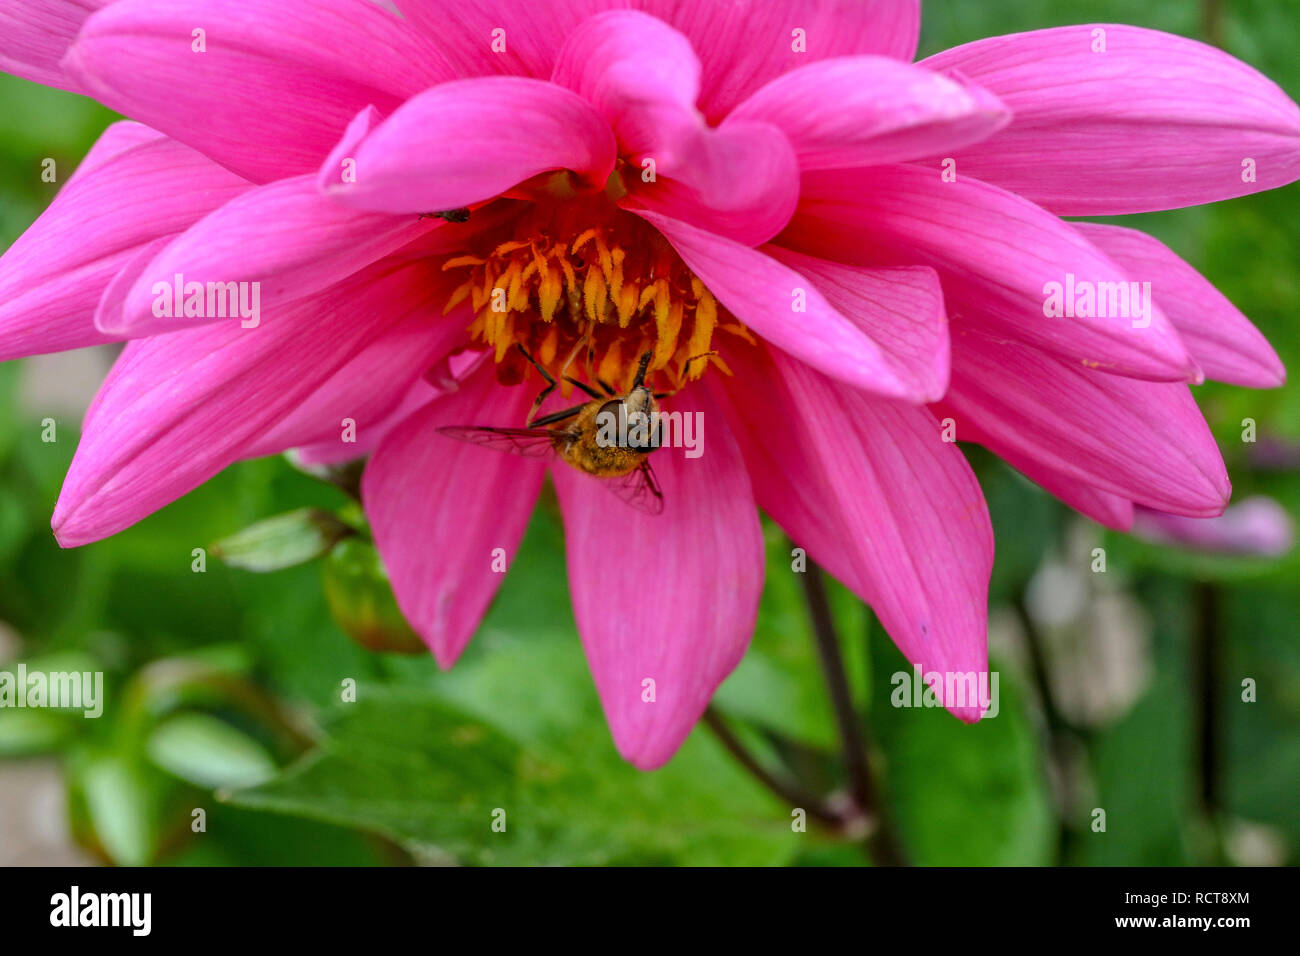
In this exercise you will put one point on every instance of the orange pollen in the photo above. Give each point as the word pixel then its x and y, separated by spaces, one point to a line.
pixel 593 298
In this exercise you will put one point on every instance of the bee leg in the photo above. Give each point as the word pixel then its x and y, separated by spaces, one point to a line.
pixel 573 353
pixel 685 368
pixel 577 347
pixel 537 404
pixel 555 417
pixel 695 358
pixel 609 389
pixel 545 393
pixel 584 387
pixel 591 354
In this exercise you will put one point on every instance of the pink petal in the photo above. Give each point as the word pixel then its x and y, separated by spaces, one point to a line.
pixel 440 508
pixel 333 452
pixel 341 158
pixel 285 237
pixel 872 492
pixel 872 110
pixel 1223 342
pixel 34 37
pixel 108 313
pixel 639 73
pixel 743 183
pixel 471 140
pixel 1143 441
pixel 117 139
pixel 668 598
pixel 178 408
pixel 994 252
pixel 643 77
pixel 741 44
pixel 901 310
pixel 368 388
pixel 279 81
pixel 135 187
pixel 764 295
pixel 1101 133
pixel 502 36
pixel 1257 526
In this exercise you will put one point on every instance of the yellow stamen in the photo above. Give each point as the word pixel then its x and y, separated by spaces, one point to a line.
pixel 593 295
pixel 594 303
pixel 460 295
pixel 668 323
pixel 550 344
pixel 611 365
pixel 549 293
pixel 706 319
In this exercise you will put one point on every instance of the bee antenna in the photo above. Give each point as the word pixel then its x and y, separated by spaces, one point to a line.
pixel 694 358
pixel 641 368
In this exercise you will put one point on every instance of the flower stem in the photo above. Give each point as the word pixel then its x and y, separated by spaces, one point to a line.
pixel 884 844
pixel 347 477
pixel 1212 22
pixel 788 791
pixel 1206 663
pixel 1065 742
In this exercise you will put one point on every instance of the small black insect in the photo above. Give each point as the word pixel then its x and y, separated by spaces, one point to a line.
pixel 451 215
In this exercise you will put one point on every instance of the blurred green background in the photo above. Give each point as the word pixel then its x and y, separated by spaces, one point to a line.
pixel 225 687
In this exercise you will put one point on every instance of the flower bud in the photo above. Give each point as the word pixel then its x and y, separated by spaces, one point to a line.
pixel 361 599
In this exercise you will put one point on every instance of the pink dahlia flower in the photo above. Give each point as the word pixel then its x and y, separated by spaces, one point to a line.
pixel 870 253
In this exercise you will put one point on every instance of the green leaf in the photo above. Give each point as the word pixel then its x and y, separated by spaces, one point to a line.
pixel 121 807
pixel 24 733
pixel 283 541
pixel 208 752
pixel 435 777
pixel 236 837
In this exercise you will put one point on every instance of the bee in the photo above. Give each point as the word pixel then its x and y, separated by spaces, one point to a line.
pixel 609 437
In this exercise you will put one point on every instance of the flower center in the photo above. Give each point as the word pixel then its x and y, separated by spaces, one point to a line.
pixel 588 288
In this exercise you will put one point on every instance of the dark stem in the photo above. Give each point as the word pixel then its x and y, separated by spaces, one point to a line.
pixel 1212 22
pixel 1038 668
pixel 347 477
pixel 886 848
pixel 1063 739
pixel 1206 662
pixel 786 790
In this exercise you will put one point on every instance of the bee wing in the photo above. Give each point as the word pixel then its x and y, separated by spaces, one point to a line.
pixel 639 488
pixel 529 442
